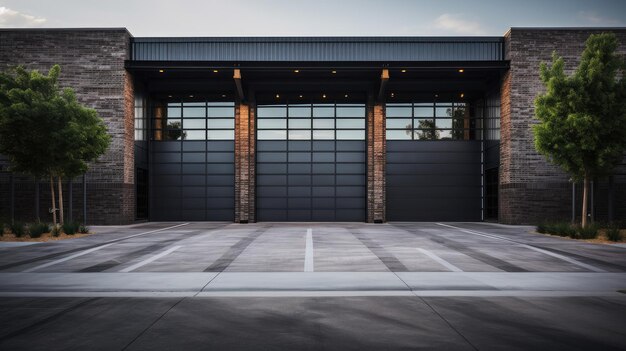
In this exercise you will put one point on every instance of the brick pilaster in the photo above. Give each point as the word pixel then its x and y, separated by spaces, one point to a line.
pixel 376 163
pixel 244 163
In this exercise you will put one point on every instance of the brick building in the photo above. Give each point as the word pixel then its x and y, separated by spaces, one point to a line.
pixel 308 129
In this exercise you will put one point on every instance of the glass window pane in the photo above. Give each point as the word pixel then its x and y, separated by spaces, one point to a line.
pixel 443 123
pixel 195 123
pixel 172 104
pixel 323 123
pixel 324 134
pixel 221 123
pixel 271 134
pixel 423 123
pixel 350 135
pixel 222 112
pixel 174 134
pixel 221 134
pixel 423 112
pixel 299 123
pixel 194 103
pixel 351 123
pixel 264 112
pixel 426 134
pixel 299 112
pixel 445 134
pixel 299 135
pixel 350 111
pixel 272 124
pixel 194 112
pixel 399 123
pixel 173 111
pixel 398 134
pixel 398 111
pixel 324 112
pixel 443 112
pixel 195 135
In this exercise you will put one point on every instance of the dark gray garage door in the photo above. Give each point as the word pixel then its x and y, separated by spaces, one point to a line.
pixel 311 162
pixel 192 161
pixel 433 163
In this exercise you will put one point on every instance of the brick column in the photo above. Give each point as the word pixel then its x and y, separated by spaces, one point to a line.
pixel 244 162
pixel 376 160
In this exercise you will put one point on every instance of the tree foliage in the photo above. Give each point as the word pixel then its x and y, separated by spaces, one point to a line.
pixel 582 117
pixel 44 131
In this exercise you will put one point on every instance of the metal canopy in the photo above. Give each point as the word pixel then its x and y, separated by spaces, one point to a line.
pixel 318 49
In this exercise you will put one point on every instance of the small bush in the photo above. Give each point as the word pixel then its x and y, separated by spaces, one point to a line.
pixel 557 228
pixel 17 228
pixel 70 228
pixel 36 229
pixel 588 232
pixel 55 231
pixel 542 228
pixel 613 234
pixel 83 229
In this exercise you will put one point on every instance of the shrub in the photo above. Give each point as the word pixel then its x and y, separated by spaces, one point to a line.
pixel 542 228
pixel 83 229
pixel 557 228
pixel 17 228
pixel 588 232
pixel 55 231
pixel 70 228
pixel 36 229
pixel 613 234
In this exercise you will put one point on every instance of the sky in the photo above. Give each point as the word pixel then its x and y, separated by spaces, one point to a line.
pixel 312 18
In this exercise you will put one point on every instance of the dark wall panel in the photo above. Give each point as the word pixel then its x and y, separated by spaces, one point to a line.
pixel 433 180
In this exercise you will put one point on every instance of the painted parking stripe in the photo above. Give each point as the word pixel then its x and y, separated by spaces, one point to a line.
pixel 67 258
pixel 150 259
pixel 440 260
pixel 308 251
pixel 546 252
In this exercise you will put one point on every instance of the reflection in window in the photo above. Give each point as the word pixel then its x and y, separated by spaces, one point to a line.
pixel 431 121
pixel 193 120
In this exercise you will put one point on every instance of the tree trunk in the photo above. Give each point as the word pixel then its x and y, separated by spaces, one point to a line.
pixel 61 217
pixel 54 205
pixel 585 201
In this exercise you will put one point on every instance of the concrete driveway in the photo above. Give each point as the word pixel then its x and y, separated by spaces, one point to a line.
pixel 313 286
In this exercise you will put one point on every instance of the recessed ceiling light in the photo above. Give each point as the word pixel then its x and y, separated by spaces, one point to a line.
pixel 436 95
pixel 334 72
pixel 461 70
pixel 393 94
pixel 300 96
pixel 161 71
pixel 324 96
pixel 191 96
pixel 223 95
pixel 277 96
pixel 462 95
pixel 215 71
pixel 296 71
pixel 345 95
pixel 403 71
pixel 169 96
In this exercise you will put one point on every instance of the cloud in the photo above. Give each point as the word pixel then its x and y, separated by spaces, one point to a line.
pixel 595 19
pixel 454 23
pixel 12 18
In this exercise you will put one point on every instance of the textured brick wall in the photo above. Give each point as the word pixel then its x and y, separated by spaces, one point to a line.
pixel 92 63
pixel 244 163
pixel 376 160
pixel 531 189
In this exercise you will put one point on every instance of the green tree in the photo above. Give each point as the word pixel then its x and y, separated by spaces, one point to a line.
pixel 44 131
pixel 582 117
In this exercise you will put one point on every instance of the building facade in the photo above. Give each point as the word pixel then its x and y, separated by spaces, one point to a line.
pixel 368 129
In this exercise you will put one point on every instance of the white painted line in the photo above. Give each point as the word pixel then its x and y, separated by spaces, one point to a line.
pixel 440 260
pixel 105 244
pixel 555 255
pixel 65 258
pixel 150 259
pixel 308 252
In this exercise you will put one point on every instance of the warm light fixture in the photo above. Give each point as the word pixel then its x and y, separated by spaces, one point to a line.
pixel 161 71
pixel 393 94
pixel 169 96
pixel 277 96
pixel 334 72
pixel 436 95
pixel 403 71
pixel 461 70
pixel 296 71
pixel 223 95
pixel 345 95
pixel 215 71
pixel 191 96
pixel 301 96
pixel 462 95
pixel 324 96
